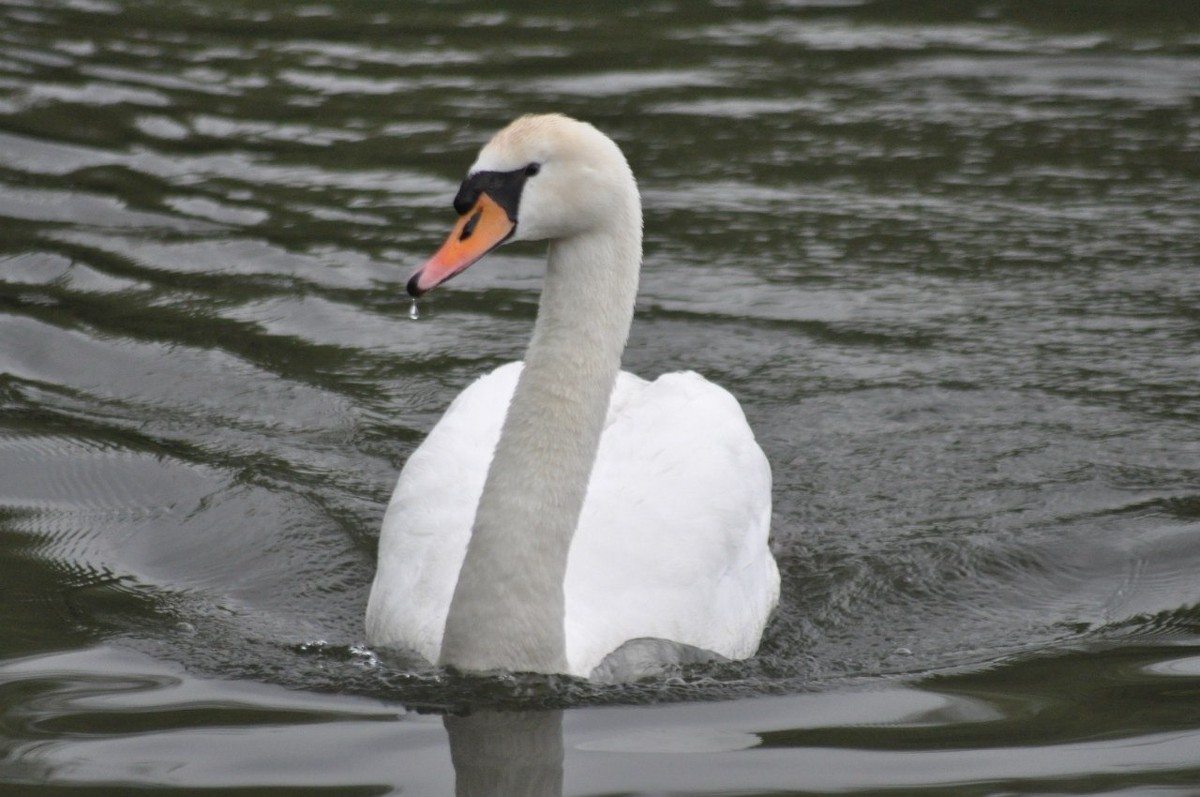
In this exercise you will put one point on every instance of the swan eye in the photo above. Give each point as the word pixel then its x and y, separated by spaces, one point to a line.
pixel 532 169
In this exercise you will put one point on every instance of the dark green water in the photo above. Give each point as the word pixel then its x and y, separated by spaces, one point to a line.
pixel 945 254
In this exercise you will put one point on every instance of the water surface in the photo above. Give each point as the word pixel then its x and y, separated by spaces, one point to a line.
pixel 945 256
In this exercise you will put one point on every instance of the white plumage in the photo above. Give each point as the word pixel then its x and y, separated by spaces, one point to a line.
pixel 671 538
pixel 671 543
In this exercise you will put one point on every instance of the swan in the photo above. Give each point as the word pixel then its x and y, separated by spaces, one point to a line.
pixel 565 516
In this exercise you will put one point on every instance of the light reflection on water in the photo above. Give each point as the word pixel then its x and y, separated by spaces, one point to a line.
pixel 956 735
pixel 946 261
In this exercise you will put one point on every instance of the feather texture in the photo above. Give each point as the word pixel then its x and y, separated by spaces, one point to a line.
pixel 565 516
pixel 671 543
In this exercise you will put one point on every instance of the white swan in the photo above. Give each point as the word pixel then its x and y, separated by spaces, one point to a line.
pixel 613 510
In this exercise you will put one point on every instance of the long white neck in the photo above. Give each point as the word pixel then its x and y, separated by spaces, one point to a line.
pixel 508 606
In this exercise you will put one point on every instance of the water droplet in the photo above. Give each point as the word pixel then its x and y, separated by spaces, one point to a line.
pixel 414 312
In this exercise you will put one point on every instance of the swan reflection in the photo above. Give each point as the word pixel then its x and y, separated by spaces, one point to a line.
pixel 507 753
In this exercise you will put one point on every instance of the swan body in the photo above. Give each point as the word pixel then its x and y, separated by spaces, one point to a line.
pixel 562 510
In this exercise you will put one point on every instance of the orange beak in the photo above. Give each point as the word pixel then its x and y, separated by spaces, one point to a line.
pixel 478 231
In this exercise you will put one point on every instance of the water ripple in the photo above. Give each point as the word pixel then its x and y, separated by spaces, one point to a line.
pixel 944 257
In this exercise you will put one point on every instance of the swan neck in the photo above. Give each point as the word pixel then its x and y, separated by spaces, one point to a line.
pixel 508 607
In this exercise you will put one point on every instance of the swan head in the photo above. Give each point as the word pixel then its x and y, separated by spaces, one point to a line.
pixel 543 177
